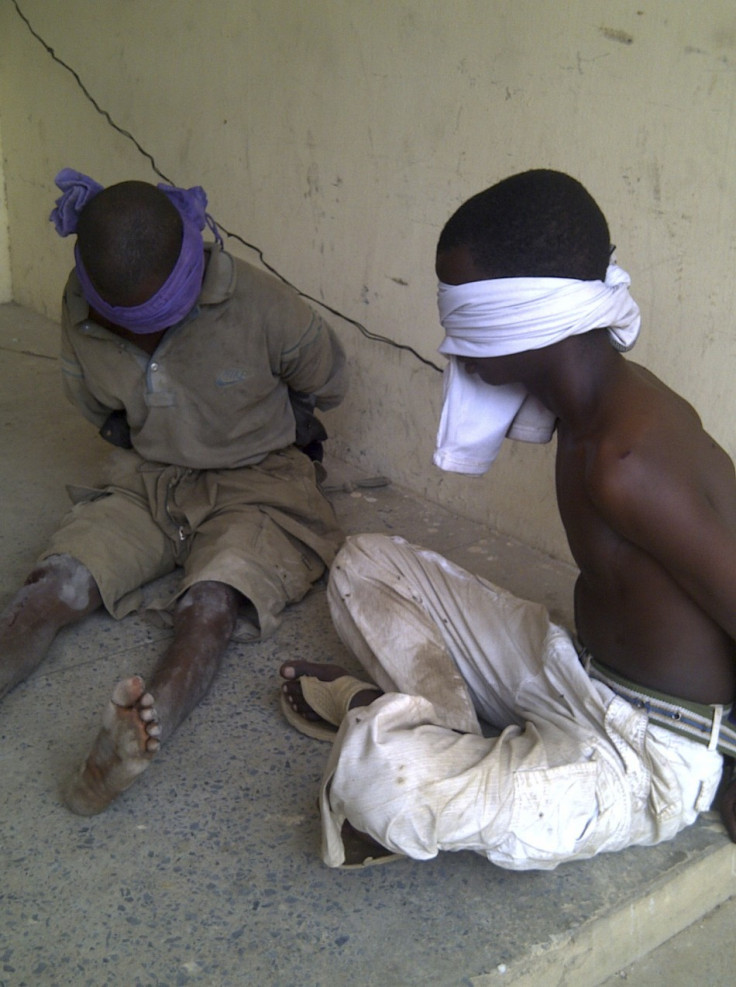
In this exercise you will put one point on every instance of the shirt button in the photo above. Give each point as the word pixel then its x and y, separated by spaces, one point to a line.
pixel 154 366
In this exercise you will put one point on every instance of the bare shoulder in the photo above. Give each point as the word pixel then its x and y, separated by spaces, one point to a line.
pixel 651 460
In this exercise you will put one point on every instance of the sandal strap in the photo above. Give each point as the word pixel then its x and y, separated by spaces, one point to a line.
pixel 331 700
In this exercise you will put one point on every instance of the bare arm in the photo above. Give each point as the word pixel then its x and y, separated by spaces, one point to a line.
pixel 725 800
pixel 680 508
pixel 688 529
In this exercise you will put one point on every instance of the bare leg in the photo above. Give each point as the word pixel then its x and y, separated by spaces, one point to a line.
pixel 137 721
pixel 58 592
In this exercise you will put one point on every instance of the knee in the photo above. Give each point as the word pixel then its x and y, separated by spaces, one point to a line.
pixel 67 579
pixel 365 551
pixel 362 558
pixel 210 601
pixel 58 567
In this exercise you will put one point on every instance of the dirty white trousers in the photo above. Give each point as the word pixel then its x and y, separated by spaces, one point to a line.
pixel 575 771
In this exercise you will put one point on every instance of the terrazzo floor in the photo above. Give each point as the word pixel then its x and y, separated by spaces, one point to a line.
pixel 207 871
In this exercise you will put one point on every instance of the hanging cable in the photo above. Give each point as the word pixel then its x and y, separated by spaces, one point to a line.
pixel 373 336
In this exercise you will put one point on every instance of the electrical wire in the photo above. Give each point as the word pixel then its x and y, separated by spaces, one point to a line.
pixel 373 336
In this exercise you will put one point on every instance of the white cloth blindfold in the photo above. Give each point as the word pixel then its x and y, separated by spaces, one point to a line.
pixel 511 315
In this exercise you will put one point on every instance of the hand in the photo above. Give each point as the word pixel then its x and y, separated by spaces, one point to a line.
pixel 728 810
pixel 726 799
pixel 116 430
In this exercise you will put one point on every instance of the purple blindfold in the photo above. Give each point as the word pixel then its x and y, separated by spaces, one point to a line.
pixel 179 293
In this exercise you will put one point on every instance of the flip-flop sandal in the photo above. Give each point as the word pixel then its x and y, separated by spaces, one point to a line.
pixel 369 861
pixel 361 851
pixel 359 854
pixel 329 700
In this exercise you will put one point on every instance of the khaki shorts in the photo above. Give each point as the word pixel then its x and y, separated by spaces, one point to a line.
pixel 266 530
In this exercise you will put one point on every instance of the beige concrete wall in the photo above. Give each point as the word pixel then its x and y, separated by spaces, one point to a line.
pixel 339 135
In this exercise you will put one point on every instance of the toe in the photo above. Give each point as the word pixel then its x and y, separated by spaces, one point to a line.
pixel 127 692
pixel 292 690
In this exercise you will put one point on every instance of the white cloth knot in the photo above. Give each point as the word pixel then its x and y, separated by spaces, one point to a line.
pixel 511 315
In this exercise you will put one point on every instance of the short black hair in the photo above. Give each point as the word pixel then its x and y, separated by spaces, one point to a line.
pixel 539 223
pixel 128 234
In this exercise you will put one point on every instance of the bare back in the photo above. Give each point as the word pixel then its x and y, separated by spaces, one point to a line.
pixel 648 501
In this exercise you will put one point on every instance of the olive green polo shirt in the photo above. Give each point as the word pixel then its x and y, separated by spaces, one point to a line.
pixel 215 393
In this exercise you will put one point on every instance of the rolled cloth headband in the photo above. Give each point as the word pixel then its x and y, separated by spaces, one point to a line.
pixel 178 294
pixel 511 315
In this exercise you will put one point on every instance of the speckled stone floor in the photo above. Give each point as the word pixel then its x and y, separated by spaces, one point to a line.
pixel 207 871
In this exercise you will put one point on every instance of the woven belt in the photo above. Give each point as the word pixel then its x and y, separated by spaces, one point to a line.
pixel 713 726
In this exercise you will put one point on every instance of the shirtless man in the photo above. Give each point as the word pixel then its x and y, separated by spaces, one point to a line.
pixel 191 360
pixel 615 737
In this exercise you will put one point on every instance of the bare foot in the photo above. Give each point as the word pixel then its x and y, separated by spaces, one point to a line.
pixel 23 643
pixel 123 749
pixel 58 592
pixel 292 671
